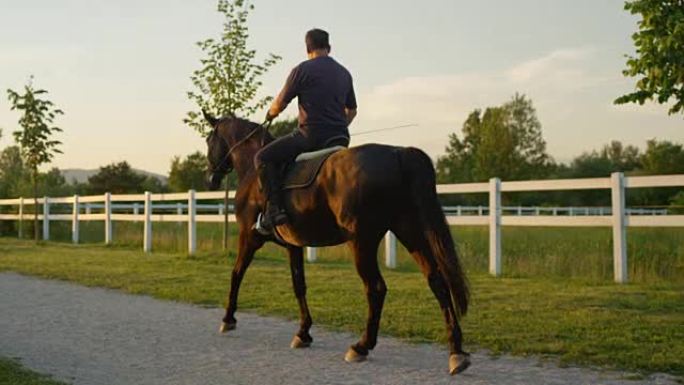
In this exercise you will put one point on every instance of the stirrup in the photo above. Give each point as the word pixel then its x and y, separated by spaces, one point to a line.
pixel 259 226
pixel 262 225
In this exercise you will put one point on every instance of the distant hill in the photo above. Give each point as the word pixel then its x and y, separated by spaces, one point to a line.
pixel 82 175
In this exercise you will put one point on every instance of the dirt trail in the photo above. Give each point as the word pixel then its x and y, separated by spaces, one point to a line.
pixel 97 336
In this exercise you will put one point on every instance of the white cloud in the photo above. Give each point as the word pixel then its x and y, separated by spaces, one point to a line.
pixel 571 92
pixel 437 99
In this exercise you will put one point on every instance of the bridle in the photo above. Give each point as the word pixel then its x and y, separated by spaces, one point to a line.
pixel 263 127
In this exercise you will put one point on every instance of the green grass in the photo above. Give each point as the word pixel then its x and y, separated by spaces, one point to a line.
pixel 12 373
pixel 637 327
pixel 654 254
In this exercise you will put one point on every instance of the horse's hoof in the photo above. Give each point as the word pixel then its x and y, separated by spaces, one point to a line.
pixel 225 326
pixel 299 343
pixel 353 356
pixel 458 363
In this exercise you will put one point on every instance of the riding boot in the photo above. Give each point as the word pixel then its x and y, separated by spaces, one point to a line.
pixel 269 179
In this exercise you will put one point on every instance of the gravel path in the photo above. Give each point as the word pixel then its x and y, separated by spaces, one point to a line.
pixel 98 336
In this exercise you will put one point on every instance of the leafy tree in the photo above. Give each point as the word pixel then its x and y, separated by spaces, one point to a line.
pixel 228 81
pixel 53 183
pixel 283 127
pixel 229 78
pixel 504 142
pixel 15 180
pixel 188 173
pixel 34 138
pixel 659 61
pixel 660 157
pixel 154 184
pixel 677 203
pixel 117 178
pixel 12 172
pixel 624 158
pixel 611 158
pixel 663 157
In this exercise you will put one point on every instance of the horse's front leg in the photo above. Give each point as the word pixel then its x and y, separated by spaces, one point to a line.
pixel 249 242
pixel 302 339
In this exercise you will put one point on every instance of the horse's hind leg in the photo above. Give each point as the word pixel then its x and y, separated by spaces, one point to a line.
pixel 458 359
pixel 302 339
pixel 365 255
pixel 416 243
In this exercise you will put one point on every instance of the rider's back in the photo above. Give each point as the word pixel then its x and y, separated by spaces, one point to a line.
pixel 324 89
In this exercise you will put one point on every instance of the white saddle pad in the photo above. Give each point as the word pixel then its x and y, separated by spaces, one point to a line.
pixel 315 154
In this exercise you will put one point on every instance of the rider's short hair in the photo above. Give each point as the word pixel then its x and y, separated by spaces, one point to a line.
pixel 316 39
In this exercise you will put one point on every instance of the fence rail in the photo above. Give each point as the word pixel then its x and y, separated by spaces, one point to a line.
pixel 186 209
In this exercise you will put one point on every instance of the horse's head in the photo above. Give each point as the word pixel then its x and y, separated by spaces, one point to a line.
pixel 220 162
pixel 232 144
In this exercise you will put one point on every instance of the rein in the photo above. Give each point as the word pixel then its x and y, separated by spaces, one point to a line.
pixel 264 126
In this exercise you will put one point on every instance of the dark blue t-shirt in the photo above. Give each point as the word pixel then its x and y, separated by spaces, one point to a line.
pixel 324 89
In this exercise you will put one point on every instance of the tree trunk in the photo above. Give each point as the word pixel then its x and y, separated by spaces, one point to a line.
pixel 34 178
pixel 225 215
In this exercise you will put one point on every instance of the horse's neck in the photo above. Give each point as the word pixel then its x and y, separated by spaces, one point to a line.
pixel 243 162
pixel 243 159
pixel 247 178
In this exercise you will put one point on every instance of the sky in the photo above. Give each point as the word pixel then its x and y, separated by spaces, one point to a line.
pixel 121 69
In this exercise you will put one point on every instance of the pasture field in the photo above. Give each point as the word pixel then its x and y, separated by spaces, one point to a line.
pixel 12 373
pixel 655 254
pixel 637 327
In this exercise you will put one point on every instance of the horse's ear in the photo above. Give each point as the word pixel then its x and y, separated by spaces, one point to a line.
pixel 210 119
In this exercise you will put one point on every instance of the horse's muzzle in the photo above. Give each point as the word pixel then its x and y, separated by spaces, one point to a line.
pixel 214 180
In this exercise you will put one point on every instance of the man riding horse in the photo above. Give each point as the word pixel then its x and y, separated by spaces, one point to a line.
pixel 327 105
pixel 353 196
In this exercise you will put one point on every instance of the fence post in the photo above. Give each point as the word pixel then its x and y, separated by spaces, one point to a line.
pixel 179 209
pixel 311 254
pixel 46 219
pixel 192 225
pixel 21 217
pixel 108 217
pixel 74 221
pixel 147 227
pixel 617 188
pixel 390 250
pixel 495 227
pixel 136 210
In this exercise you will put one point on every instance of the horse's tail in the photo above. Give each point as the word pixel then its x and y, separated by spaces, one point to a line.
pixel 209 118
pixel 419 173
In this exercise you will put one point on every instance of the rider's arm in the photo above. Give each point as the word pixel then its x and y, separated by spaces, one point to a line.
pixel 289 91
pixel 350 113
pixel 350 104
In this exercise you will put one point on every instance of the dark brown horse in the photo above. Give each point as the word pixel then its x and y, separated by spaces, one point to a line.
pixel 359 194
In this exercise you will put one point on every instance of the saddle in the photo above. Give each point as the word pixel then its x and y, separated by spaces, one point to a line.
pixel 305 168
pixel 303 171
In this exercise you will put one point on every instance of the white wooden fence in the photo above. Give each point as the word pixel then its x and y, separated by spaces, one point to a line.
pixel 619 218
pixel 181 207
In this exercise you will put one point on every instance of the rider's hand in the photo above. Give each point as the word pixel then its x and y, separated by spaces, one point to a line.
pixel 269 116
